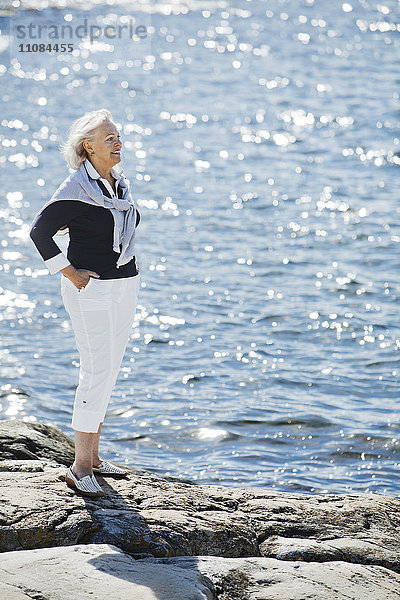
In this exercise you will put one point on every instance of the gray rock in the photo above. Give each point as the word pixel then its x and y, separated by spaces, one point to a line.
pixel 20 440
pixel 98 572
pixel 347 549
pixel 160 518
pixel 101 571
pixel 271 579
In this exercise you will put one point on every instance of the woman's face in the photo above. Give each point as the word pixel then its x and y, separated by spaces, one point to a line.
pixel 106 146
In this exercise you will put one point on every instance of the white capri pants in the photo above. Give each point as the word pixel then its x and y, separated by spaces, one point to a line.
pixel 102 315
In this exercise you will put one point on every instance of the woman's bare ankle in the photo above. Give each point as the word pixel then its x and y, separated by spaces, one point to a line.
pixel 81 471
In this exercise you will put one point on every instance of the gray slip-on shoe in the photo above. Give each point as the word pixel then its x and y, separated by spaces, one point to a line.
pixel 84 486
pixel 107 469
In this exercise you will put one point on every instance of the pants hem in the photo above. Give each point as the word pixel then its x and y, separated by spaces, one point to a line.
pixel 86 424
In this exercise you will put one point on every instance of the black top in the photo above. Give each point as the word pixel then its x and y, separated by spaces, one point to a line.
pixel 91 232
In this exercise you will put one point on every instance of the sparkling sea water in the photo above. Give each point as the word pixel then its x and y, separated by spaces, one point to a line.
pixel 261 139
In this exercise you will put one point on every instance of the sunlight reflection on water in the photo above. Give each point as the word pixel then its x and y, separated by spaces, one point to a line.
pixel 261 142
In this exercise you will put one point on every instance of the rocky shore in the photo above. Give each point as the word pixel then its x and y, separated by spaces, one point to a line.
pixel 154 538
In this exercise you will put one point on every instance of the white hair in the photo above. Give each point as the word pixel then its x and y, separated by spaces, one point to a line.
pixel 82 130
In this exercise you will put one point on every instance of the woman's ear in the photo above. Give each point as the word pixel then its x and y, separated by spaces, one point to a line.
pixel 86 147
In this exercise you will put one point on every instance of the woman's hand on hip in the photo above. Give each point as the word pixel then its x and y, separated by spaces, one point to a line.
pixel 79 277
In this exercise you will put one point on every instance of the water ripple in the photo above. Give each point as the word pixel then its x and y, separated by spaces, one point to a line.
pixel 262 146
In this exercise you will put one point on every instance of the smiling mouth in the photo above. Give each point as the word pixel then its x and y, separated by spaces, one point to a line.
pixel 116 152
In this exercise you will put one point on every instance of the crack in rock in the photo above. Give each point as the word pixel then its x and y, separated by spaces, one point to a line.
pixel 232 586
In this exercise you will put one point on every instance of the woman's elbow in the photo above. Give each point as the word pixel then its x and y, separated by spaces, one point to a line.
pixel 37 235
pixel 33 233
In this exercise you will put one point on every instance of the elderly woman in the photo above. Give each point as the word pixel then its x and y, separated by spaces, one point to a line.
pixel 100 279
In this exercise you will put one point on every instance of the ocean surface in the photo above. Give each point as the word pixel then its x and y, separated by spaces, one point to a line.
pixel 262 140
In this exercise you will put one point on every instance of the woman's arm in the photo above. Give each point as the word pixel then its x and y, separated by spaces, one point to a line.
pixel 52 218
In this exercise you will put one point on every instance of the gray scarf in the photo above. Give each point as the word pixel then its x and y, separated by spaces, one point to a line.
pixel 79 186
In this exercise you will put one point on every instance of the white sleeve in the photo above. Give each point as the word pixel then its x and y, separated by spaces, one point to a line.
pixel 58 262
